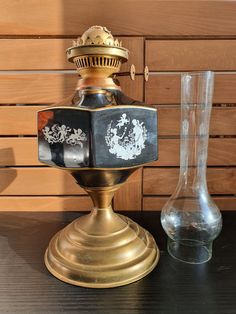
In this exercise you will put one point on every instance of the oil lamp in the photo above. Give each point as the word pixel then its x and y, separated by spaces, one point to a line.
pixel 100 136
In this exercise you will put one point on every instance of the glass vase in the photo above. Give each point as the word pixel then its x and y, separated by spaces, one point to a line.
pixel 190 217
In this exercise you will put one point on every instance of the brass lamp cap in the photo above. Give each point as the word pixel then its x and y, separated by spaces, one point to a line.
pixel 97 48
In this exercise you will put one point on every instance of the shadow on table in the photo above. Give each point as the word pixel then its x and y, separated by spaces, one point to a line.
pixel 7 175
pixel 28 234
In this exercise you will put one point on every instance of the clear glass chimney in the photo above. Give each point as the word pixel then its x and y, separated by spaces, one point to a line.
pixel 190 218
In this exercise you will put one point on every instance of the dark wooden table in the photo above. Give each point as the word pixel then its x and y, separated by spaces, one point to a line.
pixel 173 287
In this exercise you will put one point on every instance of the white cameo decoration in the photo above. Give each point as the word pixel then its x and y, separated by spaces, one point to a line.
pixel 125 137
pixel 64 134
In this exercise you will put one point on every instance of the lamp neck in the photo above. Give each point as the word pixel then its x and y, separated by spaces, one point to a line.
pixel 98 82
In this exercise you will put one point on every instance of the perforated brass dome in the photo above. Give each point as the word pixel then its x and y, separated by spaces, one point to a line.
pixel 97 35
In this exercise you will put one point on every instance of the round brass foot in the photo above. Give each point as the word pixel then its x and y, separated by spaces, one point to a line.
pixel 121 253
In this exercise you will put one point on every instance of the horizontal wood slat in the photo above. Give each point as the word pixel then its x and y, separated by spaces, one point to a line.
pixel 221 152
pixel 163 181
pixel 165 89
pixel 50 54
pixel 83 203
pixel 16 120
pixel 37 181
pixel 24 152
pixel 19 152
pixel 52 87
pixel 44 88
pixel 45 203
pixel 70 17
pixel 157 203
pixel 222 121
pixel 190 55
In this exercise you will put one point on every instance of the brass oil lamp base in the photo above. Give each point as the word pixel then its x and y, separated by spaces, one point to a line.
pixel 101 249
pixel 100 136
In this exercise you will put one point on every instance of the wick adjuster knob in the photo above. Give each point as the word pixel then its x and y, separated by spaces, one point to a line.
pixel 146 73
pixel 132 72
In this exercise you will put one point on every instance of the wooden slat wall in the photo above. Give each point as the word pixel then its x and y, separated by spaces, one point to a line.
pixel 169 37
pixel 143 17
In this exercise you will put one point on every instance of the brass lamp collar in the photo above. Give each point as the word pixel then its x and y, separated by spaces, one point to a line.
pixel 80 51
